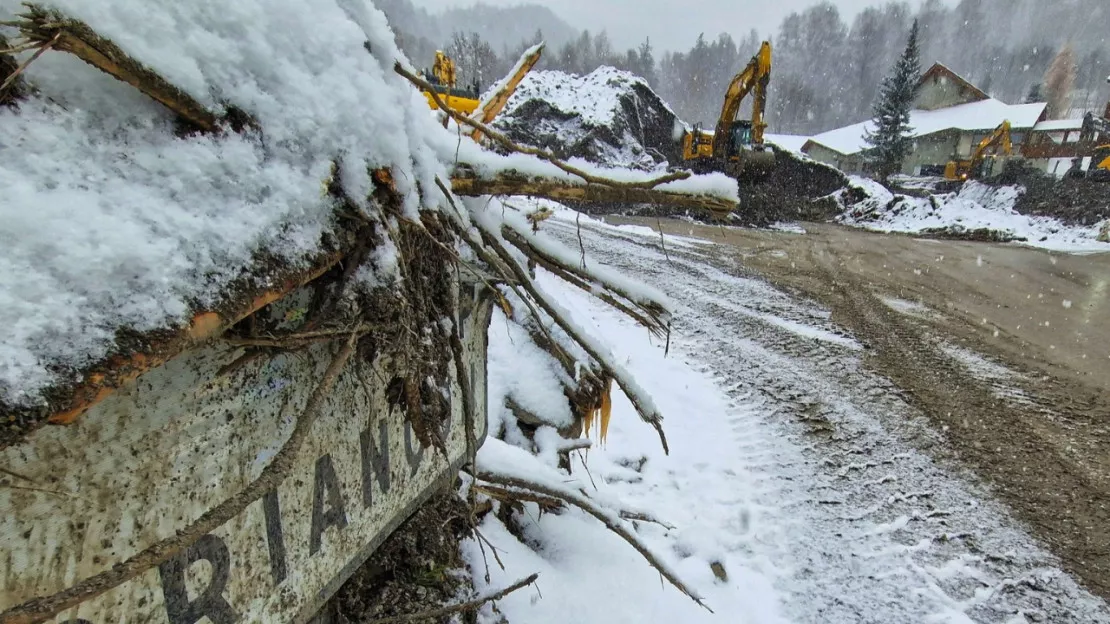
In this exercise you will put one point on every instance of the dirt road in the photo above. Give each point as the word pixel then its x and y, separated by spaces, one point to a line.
pixel 1032 417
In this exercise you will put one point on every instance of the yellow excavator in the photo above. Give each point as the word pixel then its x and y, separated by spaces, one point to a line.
pixel 736 146
pixel 443 77
pixel 982 162
pixel 1100 163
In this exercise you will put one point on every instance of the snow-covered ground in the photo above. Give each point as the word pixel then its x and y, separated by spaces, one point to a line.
pixel 975 206
pixel 791 473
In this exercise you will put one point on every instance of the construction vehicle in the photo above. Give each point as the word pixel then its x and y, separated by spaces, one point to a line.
pixel 495 102
pixel 484 110
pixel 736 146
pixel 444 78
pixel 985 156
pixel 1100 163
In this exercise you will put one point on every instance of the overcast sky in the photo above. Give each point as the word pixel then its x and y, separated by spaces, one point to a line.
pixel 671 24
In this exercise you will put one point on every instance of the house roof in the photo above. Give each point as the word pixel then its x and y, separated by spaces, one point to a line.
pixel 939 70
pixel 1058 125
pixel 788 142
pixel 982 115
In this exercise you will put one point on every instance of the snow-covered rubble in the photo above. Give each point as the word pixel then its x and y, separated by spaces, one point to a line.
pixel 607 116
pixel 975 211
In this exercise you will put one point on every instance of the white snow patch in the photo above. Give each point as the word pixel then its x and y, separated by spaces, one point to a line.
pixel 974 206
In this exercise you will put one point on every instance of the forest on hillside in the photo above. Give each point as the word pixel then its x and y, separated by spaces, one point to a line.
pixel 827 71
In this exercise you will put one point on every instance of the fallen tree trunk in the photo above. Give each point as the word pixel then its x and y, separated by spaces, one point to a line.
pixel 510 183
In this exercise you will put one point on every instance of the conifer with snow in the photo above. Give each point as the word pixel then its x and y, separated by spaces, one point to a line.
pixel 891 141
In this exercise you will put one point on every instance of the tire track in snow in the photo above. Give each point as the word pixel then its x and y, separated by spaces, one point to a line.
pixel 870 529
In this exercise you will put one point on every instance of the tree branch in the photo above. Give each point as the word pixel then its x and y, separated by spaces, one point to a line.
pixel 609 520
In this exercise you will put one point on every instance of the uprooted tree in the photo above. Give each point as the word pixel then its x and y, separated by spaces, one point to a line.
pixel 450 234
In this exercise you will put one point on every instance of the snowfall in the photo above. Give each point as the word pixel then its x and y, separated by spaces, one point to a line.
pixel 111 220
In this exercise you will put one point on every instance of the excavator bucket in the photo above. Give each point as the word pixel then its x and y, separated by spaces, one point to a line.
pixel 755 163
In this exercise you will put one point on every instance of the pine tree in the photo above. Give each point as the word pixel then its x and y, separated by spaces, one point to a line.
pixel 891 141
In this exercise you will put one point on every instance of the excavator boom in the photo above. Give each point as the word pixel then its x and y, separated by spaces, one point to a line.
pixel 736 145
pixel 998 142
pixel 495 102
pixel 752 79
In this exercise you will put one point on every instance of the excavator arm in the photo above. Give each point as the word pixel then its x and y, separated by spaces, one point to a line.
pixel 752 79
pixel 495 102
pixel 998 142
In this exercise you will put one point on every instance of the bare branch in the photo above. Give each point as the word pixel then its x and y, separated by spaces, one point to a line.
pixel 610 522
pixel 467 183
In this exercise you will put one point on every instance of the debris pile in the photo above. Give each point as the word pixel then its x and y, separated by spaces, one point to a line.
pixel 1074 201
pixel 609 117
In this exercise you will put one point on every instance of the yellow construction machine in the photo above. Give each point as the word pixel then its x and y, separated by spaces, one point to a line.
pixel 443 78
pixel 736 146
pixel 1100 163
pixel 982 162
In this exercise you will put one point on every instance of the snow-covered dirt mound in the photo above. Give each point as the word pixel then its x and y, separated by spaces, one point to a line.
pixel 975 212
pixel 608 116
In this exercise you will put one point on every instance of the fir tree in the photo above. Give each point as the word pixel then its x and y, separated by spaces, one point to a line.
pixel 891 141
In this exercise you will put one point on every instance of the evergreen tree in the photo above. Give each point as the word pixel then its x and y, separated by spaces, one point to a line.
pixel 891 141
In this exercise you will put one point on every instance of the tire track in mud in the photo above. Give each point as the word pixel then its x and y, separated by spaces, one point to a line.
pixel 872 529
pixel 1011 444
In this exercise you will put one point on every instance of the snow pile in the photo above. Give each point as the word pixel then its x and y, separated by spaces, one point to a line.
pixel 113 221
pixel 975 211
pixel 608 116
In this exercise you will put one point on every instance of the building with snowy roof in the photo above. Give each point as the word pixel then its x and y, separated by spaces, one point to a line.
pixel 949 118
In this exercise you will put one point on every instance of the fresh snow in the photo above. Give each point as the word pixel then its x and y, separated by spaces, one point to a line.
pixel 974 206
pixel 595 96
pixel 789 142
pixel 983 115
pixel 789 467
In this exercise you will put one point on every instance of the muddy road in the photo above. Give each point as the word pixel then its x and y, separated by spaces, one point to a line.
pixel 1005 349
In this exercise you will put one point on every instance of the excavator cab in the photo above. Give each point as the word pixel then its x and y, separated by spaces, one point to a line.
pixel 746 157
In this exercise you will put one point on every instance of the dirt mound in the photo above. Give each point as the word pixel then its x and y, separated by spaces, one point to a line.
pixel 981 235
pixel 795 190
pixel 609 117
pixel 1074 201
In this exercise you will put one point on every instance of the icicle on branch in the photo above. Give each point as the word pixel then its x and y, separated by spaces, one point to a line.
pixel 639 399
